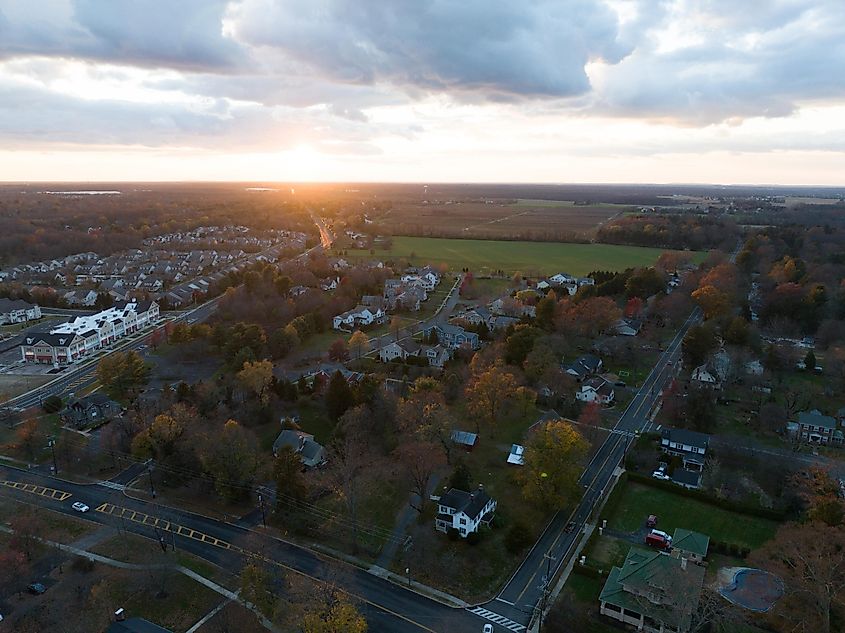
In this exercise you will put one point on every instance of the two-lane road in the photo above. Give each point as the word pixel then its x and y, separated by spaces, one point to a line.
pixel 388 607
pixel 524 591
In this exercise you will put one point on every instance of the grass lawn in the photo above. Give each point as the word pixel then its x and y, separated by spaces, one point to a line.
pixel 585 590
pixel 528 257
pixel 674 511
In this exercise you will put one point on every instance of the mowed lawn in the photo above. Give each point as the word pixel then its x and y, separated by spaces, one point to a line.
pixel 544 258
pixel 676 511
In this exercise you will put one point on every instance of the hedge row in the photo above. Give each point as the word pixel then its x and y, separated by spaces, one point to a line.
pixel 706 497
pixel 585 570
pixel 729 549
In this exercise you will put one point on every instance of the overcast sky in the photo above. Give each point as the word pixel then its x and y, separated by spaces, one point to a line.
pixel 722 91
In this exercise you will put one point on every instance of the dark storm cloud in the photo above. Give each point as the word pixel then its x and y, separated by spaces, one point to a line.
pixel 500 49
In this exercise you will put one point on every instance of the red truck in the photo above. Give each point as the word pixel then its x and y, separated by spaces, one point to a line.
pixel 656 540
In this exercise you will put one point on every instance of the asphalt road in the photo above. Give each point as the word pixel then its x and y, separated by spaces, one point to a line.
pixel 387 606
pixel 518 599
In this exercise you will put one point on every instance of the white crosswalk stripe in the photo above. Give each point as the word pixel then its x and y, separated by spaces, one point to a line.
pixel 501 620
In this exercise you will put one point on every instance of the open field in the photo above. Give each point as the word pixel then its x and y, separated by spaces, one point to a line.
pixel 540 258
pixel 523 218
pixel 674 511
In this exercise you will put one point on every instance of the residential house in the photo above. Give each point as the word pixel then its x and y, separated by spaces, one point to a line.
pixel 596 389
pixel 85 298
pixel 453 336
pixel 360 316
pixel 653 592
pixel 691 446
pixel 502 322
pixel 628 327
pixel 437 355
pixel 91 410
pixel 816 428
pixel 690 545
pixel 52 349
pixel 585 366
pixel 18 311
pixel 311 453
pixel 399 349
pixel 516 455
pixel 464 511
pixel 464 439
pixel 329 284
pixel 476 316
pixel 714 372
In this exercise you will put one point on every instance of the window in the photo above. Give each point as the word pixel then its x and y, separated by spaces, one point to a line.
pixel 463 521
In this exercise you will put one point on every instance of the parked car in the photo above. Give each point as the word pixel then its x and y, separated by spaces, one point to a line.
pixel 659 474
pixel 80 507
pixel 36 588
pixel 655 540
pixel 662 534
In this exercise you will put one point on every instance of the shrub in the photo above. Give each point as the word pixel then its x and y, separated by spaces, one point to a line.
pixel 83 565
pixel 473 538
pixel 53 404
pixel 453 534
pixel 517 538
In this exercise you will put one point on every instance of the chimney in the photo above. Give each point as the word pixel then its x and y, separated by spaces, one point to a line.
pixel 684 563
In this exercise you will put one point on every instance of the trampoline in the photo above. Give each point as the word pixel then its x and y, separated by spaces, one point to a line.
pixel 753 589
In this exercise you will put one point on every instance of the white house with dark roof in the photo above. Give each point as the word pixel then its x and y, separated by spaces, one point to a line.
pixel 464 511
pixel 399 350
pixel 817 428
pixel 691 446
pixel 596 390
pixel 585 366
pixel 18 311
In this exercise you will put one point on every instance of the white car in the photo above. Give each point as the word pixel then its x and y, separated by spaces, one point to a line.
pixel 80 507
pixel 488 628
pixel 657 474
pixel 663 534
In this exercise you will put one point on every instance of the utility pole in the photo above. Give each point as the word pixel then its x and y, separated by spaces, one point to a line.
pixel 152 490
pixel 263 514
pixel 408 572
pixel 52 445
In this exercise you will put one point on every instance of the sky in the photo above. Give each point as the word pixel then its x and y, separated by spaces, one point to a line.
pixel 657 91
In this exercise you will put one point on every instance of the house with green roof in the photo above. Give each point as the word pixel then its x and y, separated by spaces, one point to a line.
pixel 689 544
pixel 653 591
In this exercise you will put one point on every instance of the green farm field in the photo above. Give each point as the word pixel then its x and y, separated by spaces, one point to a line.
pixel 530 258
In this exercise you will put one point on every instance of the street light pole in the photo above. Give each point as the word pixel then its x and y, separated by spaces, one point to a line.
pixel 152 490
pixel 53 450
pixel 263 515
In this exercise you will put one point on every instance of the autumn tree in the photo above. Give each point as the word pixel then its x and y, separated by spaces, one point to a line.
pixel 232 459
pixel 487 395
pixel 590 419
pixel 291 487
pixel 29 438
pixel 524 400
pixel 256 588
pixel 339 351
pixel 27 530
pixel 554 456
pixel 420 459
pixel 122 374
pixel 349 465
pixel 256 377
pixel 810 559
pixel 700 341
pixel 359 342
pixel 712 301
pixel 589 317
pixel 338 396
pixel 338 616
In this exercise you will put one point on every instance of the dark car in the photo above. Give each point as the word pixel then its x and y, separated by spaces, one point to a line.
pixel 36 588
pixel 569 527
